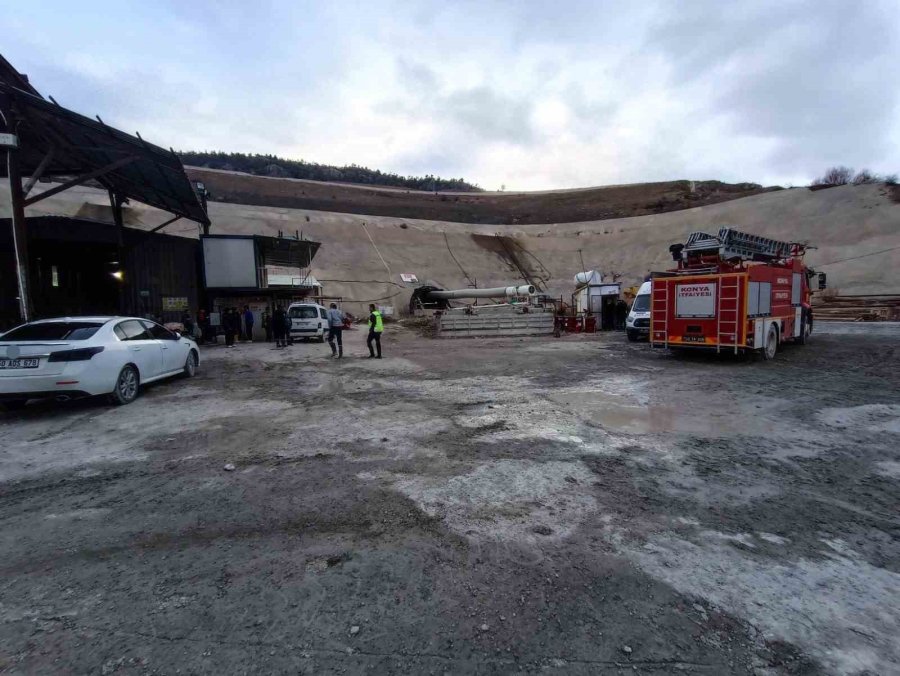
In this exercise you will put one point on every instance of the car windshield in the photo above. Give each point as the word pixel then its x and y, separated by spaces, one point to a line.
pixel 641 303
pixel 53 331
pixel 304 312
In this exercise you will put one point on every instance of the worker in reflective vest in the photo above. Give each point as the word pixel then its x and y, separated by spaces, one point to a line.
pixel 376 328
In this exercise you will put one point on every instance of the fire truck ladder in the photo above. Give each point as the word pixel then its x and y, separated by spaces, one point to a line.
pixel 736 244
pixel 660 291
pixel 727 314
pixel 732 244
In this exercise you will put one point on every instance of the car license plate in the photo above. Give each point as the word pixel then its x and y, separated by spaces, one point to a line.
pixel 28 363
pixel 693 339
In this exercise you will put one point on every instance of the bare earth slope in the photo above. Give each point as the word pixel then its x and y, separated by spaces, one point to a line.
pixel 848 222
pixel 549 206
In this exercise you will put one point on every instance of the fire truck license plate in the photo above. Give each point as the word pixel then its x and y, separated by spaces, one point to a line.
pixel 693 339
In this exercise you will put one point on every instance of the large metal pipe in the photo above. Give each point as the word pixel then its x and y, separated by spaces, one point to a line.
pixel 496 292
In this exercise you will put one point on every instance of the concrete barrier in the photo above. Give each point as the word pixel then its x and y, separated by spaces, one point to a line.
pixel 459 325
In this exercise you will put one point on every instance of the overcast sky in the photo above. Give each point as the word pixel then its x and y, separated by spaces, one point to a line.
pixel 530 95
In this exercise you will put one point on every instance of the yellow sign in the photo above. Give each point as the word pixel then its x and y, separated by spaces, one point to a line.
pixel 172 303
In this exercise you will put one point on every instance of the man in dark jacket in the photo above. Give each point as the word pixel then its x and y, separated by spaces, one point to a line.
pixel 621 314
pixel 187 321
pixel 228 326
pixel 279 323
pixel 203 323
pixel 267 324
pixel 288 325
pixel 248 322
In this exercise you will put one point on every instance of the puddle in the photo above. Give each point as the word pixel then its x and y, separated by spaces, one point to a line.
pixel 608 411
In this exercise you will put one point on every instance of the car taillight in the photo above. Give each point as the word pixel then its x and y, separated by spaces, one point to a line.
pixel 81 354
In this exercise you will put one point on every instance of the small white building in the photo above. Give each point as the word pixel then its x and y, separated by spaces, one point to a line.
pixel 596 297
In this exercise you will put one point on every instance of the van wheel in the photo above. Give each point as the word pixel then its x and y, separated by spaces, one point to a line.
pixel 14 404
pixel 632 336
pixel 127 384
pixel 771 346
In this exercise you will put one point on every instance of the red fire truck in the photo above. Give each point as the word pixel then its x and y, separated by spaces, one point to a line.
pixel 734 292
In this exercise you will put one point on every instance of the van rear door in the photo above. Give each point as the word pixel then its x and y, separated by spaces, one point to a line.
pixel 304 319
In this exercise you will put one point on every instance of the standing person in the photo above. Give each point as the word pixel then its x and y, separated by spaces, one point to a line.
pixel 235 326
pixel 203 323
pixel 278 324
pixel 621 314
pixel 267 324
pixel 187 321
pixel 288 325
pixel 228 327
pixel 376 328
pixel 248 322
pixel 335 330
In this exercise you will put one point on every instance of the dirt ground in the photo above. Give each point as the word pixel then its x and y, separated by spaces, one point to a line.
pixel 577 506
pixel 618 201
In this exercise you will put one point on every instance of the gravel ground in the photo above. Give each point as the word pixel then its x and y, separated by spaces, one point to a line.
pixel 574 505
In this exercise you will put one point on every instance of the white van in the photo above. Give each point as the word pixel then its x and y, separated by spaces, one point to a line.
pixel 308 320
pixel 637 324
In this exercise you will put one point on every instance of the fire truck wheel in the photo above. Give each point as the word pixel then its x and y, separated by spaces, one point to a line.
pixel 771 346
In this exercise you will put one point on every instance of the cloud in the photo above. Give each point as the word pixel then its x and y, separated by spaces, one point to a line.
pixel 524 94
pixel 810 78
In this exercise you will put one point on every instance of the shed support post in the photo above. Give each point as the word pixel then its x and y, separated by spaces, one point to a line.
pixel 17 199
pixel 205 226
pixel 115 201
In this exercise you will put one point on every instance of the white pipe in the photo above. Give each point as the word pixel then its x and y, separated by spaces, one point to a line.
pixel 496 292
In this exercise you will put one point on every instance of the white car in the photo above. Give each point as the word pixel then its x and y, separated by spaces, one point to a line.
pixel 81 356
pixel 308 320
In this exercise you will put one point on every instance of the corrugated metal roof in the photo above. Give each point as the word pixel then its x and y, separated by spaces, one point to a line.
pixel 80 145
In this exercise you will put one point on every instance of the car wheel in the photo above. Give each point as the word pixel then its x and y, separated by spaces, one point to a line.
pixel 127 384
pixel 14 404
pixel 771 346
pixel 632 336
pixel 190 365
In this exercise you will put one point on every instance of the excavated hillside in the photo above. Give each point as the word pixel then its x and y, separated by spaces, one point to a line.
pixel 497 208
pixel 856 230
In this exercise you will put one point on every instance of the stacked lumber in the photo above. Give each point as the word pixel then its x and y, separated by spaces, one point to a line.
pixel 875 308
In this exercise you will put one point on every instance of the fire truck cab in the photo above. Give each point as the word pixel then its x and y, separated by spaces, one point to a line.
pixel 734 292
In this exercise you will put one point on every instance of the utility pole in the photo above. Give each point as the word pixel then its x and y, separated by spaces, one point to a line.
pixel 10 141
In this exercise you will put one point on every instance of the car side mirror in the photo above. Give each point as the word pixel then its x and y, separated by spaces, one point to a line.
pixel 177 335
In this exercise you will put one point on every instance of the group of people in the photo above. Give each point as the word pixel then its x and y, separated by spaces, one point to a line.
pixel 336 332
pixel 238 324
pixel 279 325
